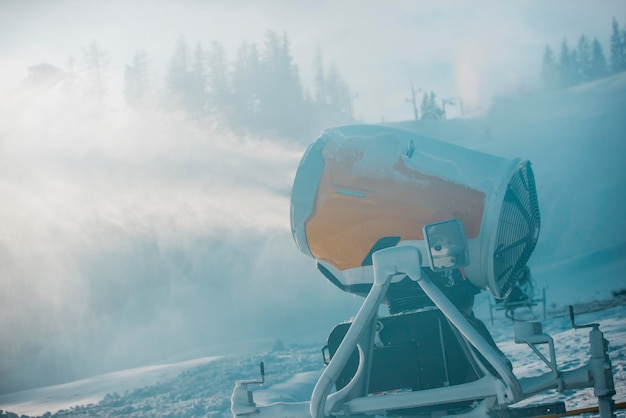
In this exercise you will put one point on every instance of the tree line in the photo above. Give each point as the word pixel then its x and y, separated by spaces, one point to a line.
pixel 584 62
pixel 259 90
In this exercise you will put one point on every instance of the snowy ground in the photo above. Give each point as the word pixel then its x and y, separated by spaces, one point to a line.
pixel 202 387
pixel 94 389
pixel 572 351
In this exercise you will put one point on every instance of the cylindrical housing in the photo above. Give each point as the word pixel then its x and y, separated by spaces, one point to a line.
pixel 361 188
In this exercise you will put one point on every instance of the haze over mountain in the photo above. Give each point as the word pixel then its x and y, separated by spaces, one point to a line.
pixel 131 236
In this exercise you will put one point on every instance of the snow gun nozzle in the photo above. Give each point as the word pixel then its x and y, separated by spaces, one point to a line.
pixel 262 369
pixel 255 381
pixel 573 322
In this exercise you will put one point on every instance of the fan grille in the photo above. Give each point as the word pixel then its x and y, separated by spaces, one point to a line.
pixel 518 230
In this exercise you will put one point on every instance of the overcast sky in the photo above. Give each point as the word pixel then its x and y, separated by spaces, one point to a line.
pixel 472 49
pixel 133 232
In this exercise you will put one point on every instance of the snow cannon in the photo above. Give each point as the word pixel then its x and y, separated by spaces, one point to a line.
pixel 421 225
pixel 362 188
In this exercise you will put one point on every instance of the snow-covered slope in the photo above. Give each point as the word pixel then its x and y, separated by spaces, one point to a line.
pixel 203 388
pixel 93 389
pixel 575 138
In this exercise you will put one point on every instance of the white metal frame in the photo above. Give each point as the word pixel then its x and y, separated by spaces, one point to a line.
pixel 489 391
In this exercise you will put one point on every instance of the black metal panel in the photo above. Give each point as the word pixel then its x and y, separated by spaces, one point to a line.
pixel 419 351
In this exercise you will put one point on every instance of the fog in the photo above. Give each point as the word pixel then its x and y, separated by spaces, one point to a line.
pixel 131 236
pixel 470 49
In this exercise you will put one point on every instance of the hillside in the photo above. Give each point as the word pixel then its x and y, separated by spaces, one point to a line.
pixel 123 279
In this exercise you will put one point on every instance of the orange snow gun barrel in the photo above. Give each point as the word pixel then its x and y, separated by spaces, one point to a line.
pixel 362 188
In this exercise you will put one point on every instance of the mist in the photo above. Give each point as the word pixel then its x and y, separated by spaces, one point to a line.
pixel 468 49
pixel 129 237
pixel 134 235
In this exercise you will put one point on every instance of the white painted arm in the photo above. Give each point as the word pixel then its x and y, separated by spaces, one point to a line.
pixel 387 263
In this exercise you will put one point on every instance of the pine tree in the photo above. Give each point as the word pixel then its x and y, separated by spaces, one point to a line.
pixel 549 69
pixel 430 110
pixel 96 62
pixel 137 80
pixel 271 88
pixel 246 82
pixel 263 92
pixel 566 66
pixel 338 94
pixel 598 61
pixel 623 54
pixel 618 52
pixel 178 73
pixel 186 80
pixel 333 100
pixel 425 108
pixel 574 74
pixel 296 122
pixel 280 91
pixel 71 81
pixel 437 111
pixel 583 60
pixel 219 92
pixel 320 95
pixel 195 90
pixel 318 108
